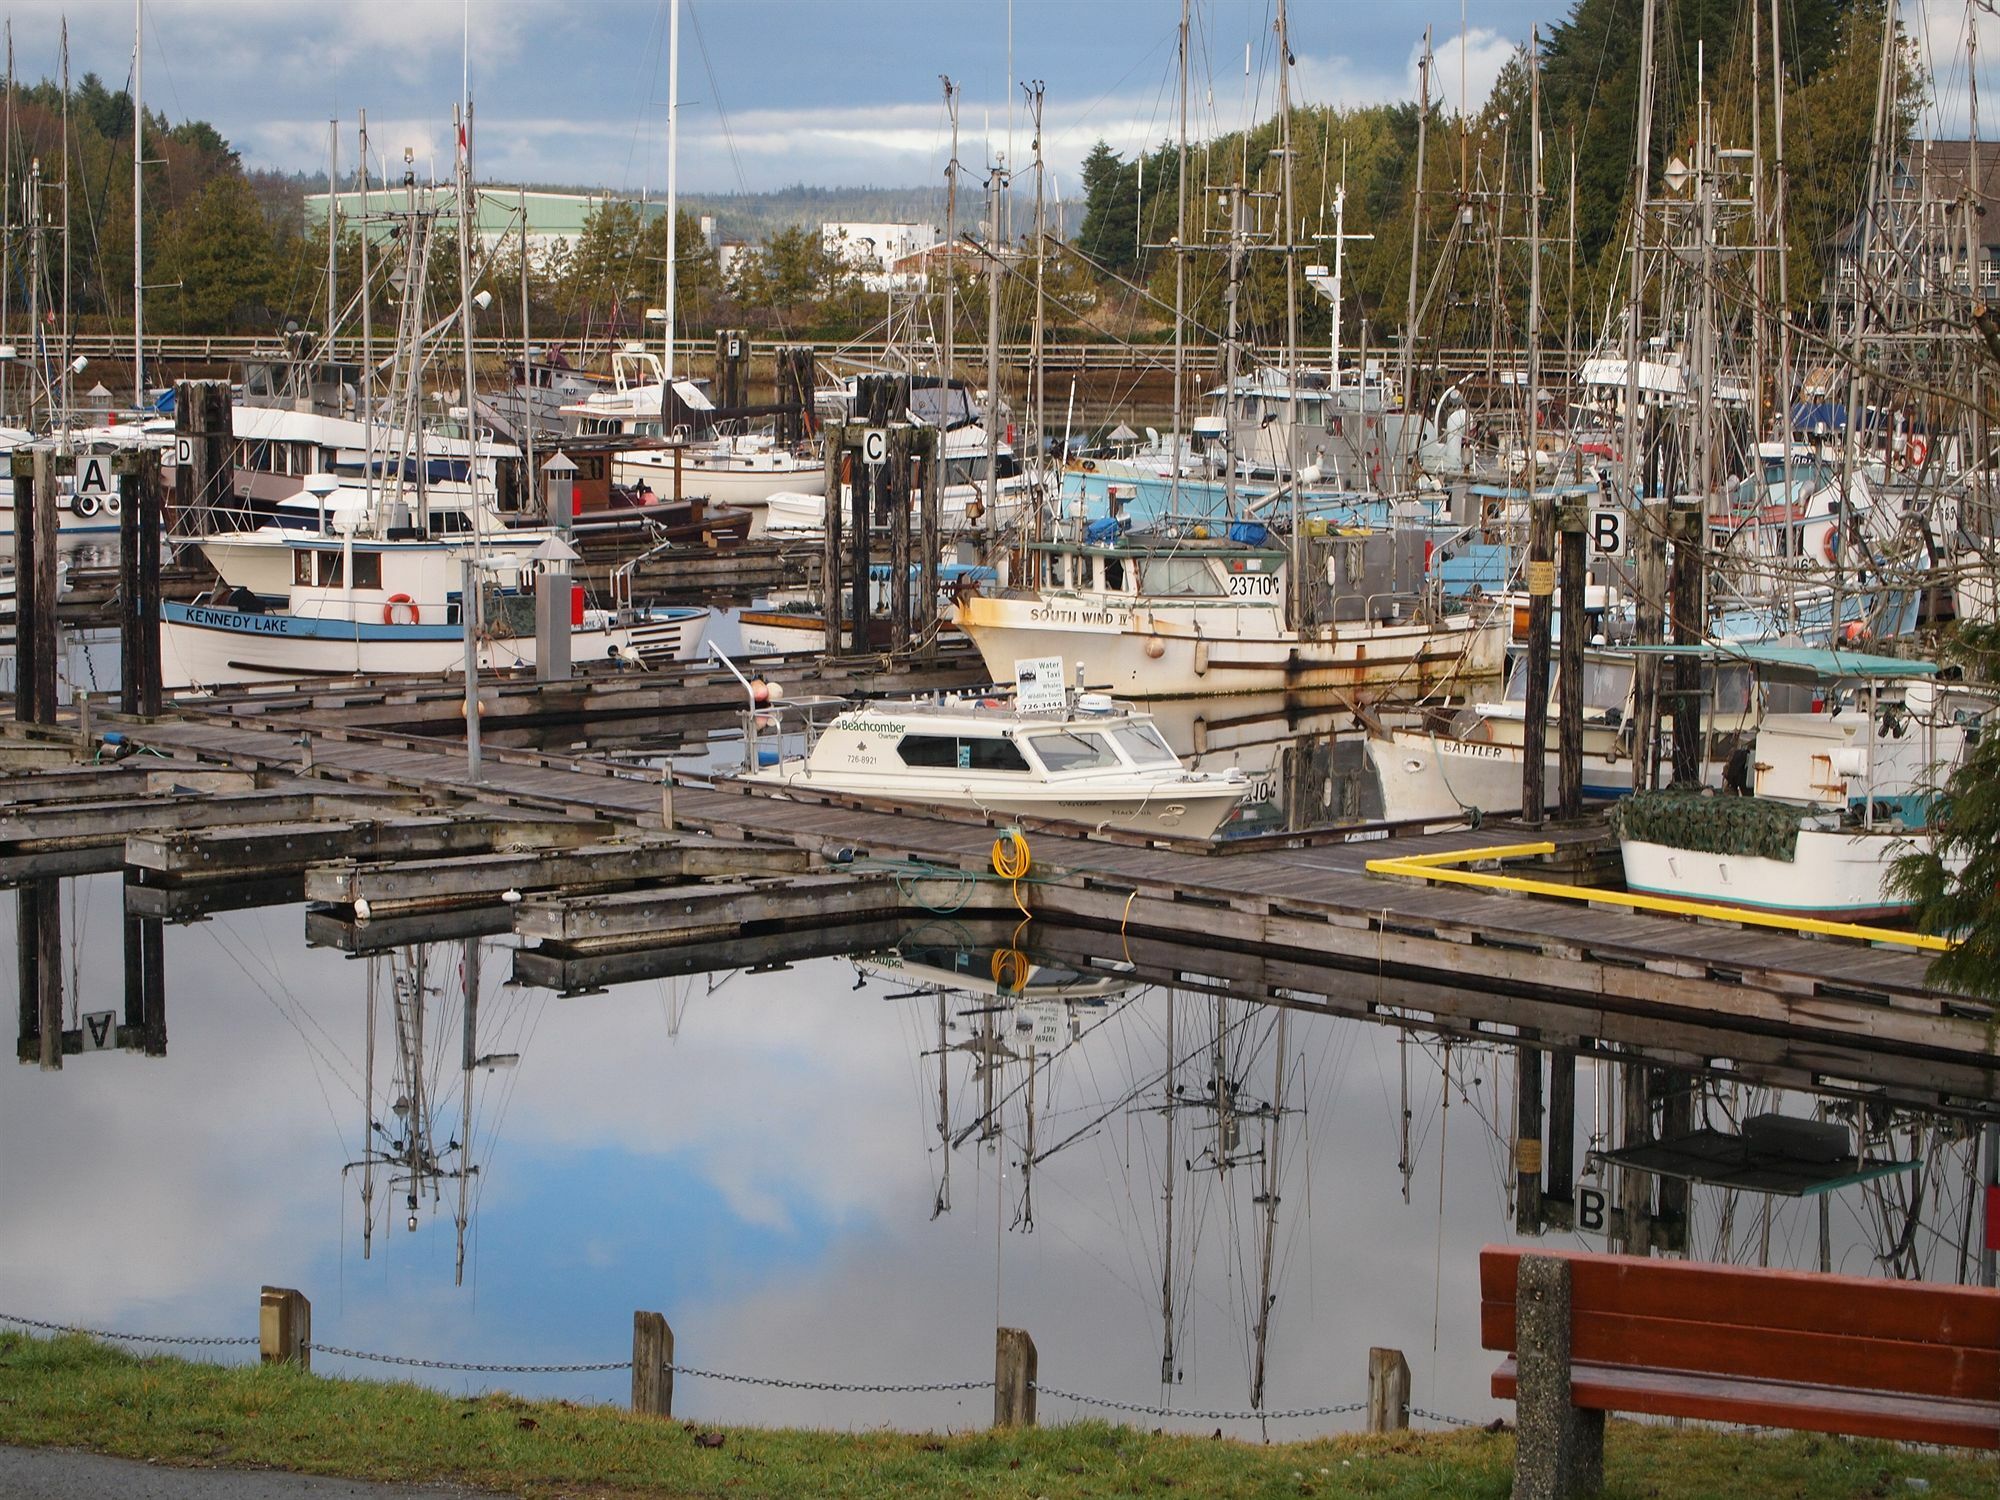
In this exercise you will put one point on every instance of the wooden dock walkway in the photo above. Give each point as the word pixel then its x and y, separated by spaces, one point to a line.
pixel 1308 906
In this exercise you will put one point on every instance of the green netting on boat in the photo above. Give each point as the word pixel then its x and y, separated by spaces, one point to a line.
pixel 1749 826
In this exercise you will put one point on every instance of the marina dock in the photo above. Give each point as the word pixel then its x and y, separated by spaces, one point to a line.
pixel 353 813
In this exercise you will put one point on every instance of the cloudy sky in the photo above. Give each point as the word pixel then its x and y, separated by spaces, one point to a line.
pixel 773 91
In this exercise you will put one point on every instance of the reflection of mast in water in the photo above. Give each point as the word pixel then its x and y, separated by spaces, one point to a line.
pixel 405 1147
pixel 1225 1095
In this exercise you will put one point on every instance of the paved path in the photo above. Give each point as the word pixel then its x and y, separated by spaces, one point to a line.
pixel 56 1474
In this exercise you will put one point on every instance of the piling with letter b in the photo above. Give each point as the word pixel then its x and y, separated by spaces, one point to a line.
pixel 1013 1378
pixel 284 1327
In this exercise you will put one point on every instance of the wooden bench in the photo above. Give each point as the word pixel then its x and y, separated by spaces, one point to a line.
pixel 1590 1334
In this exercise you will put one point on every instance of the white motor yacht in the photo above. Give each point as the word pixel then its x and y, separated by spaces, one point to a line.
pixel 1070 755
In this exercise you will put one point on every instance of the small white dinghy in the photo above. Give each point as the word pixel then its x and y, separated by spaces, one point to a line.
pixel 1047 752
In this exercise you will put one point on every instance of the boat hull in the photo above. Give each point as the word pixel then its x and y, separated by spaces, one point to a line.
pixel 1193 810
pixel 1427 776
pixel 1834 874
pixel 207 646
pixel 1149 653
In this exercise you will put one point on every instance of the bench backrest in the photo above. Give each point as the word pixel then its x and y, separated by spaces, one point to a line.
pixel 1852 1332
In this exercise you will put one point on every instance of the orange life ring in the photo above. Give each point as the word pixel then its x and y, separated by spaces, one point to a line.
pixel 401 601
pixel 1829 544
pixel 1916 451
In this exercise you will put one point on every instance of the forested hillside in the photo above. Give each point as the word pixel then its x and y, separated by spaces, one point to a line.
pixel 228 251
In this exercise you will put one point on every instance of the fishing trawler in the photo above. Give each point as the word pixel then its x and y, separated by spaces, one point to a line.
pixel 1204 609
pixel 1835 794
pixel 362 602
pixel 1047 752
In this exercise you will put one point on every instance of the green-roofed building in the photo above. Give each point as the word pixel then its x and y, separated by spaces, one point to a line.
pixel 552 217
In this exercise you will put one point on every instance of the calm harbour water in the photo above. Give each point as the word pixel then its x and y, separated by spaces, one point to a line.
pixel 757 1156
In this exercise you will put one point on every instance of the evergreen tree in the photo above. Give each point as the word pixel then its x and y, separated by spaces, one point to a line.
pixel 1109 232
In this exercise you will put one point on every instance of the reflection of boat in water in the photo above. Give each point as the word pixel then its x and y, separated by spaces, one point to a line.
pixel 1000 972
pixel 1082 758
pixel 411 1144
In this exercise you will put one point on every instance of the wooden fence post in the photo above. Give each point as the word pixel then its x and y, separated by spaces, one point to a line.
pixel 652 1354
pixel 1388 1391
pixel 284 1327
pixel 1014 1370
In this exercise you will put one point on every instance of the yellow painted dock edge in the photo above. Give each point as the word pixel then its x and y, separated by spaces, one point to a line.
pixel 1439 867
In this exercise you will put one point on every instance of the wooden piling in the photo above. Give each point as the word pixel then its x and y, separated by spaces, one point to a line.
pixel 896 483
pixel 1571 524
pixel 204 479
pixel 732 368
pixel 35 641
pixel 862 495
pixel 1541 603
pixel 927 478
pixel 1559 1157
pixel 652 1365
pixel 141 513
pixel 831 570
pixel 1014 1374
pixel 1388 1391
pixel 38 968
pixel 797 382
pixel 1635 1189
pixel 284 1327
pixel 1689 626
pixel 1528 1135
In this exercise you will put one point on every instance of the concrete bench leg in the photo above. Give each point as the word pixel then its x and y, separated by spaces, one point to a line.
pixel 1558 1450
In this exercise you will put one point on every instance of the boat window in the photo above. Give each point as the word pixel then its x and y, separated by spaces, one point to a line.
pixel 1606 683
pixel 1143 744
pixel 302 568
pixel 1177 575
pixel 329 569
pixel 1056 573
pixel 368 570
pixel 1517 684
pixel 1114 575
pixel 1069 750
pixel 949 753
pixel 1731 689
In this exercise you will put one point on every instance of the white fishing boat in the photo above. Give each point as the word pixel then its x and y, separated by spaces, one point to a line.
pixel 1199 609
pixel 360 603
pixel 1045 753
pixel 1474 763
pixel 1842 791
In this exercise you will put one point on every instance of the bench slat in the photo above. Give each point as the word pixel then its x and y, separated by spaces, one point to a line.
pixel 1775 1403
pixel 1750 1297
pixel 1834 1359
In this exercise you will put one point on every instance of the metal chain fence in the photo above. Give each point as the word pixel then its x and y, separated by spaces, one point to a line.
pixel 870 1388
pixel 1203 1416
pixel 1445 1417
pixel 122 1338
pixel 451 1364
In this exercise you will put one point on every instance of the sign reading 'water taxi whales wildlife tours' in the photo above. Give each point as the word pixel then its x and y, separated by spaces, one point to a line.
pixel 1038 684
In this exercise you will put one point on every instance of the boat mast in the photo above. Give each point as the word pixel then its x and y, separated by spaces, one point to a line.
pixel 1232 293
pixel 994 183
pixel 949 357
pixel 1297 597
pixel 138 203
pixel 63 376
pixel 1781 233
pixel 1850 455
pixel 673 186
pixel 1416 245
pixel 1180 286
pixel 1032 521
pixel 1173 1058
pixel 466 217
pixel 332 232
pixel 1648 629
pixel 6 227
pixel 368 487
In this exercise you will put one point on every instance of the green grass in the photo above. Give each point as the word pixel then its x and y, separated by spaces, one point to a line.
pixel 75 1393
